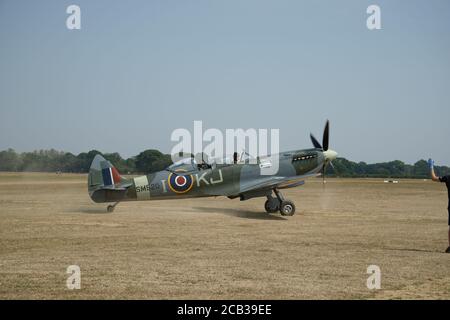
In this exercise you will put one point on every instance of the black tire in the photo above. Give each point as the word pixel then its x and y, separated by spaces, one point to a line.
pixel 110 208
pixel 287 208
pixel 271 206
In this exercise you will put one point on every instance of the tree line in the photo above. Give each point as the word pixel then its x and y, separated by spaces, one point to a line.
pixel 153 160
pixel 391 169
pixel 58 161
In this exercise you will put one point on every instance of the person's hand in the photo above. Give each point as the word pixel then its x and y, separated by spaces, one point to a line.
pixel 431 163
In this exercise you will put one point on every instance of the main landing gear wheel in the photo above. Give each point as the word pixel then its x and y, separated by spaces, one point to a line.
pixel 272 205
pixel 287 208
pixel 278 203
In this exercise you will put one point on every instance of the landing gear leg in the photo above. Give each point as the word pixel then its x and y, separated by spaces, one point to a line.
pixel 111 207
pixel 287 207
pixel 272 204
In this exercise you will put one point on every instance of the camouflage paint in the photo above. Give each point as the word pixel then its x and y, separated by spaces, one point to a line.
pixel 231 180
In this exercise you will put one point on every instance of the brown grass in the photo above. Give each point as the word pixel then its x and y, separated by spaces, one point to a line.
pixel 220 248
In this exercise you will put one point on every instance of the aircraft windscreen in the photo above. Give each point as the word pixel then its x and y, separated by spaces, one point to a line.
pixel 187 164
pixel 246 158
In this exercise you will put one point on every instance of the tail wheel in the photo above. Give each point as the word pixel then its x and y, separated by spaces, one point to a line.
pixel 110 208
pixel 272 206
pixel 287 208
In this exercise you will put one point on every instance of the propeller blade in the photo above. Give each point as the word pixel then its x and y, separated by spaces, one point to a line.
pixel 315 142
pixel 334 169
pixel 332 165
pixel 326 136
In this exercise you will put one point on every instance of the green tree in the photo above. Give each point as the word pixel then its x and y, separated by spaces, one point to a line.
pixel 9 160
pixel 421 169
pixel 118 162
pixel 84 160
pixel 151 161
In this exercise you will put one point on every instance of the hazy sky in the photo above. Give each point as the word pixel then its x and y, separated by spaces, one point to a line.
pixel 137 70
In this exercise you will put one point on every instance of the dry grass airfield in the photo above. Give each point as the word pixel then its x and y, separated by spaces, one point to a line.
pixel 220 248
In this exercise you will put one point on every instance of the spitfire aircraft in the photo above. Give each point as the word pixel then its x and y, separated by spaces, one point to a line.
pixel 237 178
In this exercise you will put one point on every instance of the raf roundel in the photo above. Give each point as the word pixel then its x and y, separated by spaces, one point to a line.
pixel 180 183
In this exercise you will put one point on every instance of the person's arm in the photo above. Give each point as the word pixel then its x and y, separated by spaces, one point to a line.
pixel 434 177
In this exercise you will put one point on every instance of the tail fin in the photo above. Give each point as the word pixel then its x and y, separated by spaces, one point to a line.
pixel 104 176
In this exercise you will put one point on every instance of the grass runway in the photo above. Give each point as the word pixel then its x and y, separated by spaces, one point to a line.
pixel 216 248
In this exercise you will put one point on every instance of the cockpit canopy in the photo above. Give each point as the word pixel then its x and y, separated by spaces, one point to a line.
pixel 186 165
pixel 201 162
pixel 244 157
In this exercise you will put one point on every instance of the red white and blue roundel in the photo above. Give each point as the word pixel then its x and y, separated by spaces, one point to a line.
pixel 179 183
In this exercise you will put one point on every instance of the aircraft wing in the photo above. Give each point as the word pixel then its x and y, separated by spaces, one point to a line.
pixel 270 182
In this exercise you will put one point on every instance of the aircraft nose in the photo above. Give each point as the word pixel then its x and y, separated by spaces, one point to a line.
pixel 330 155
